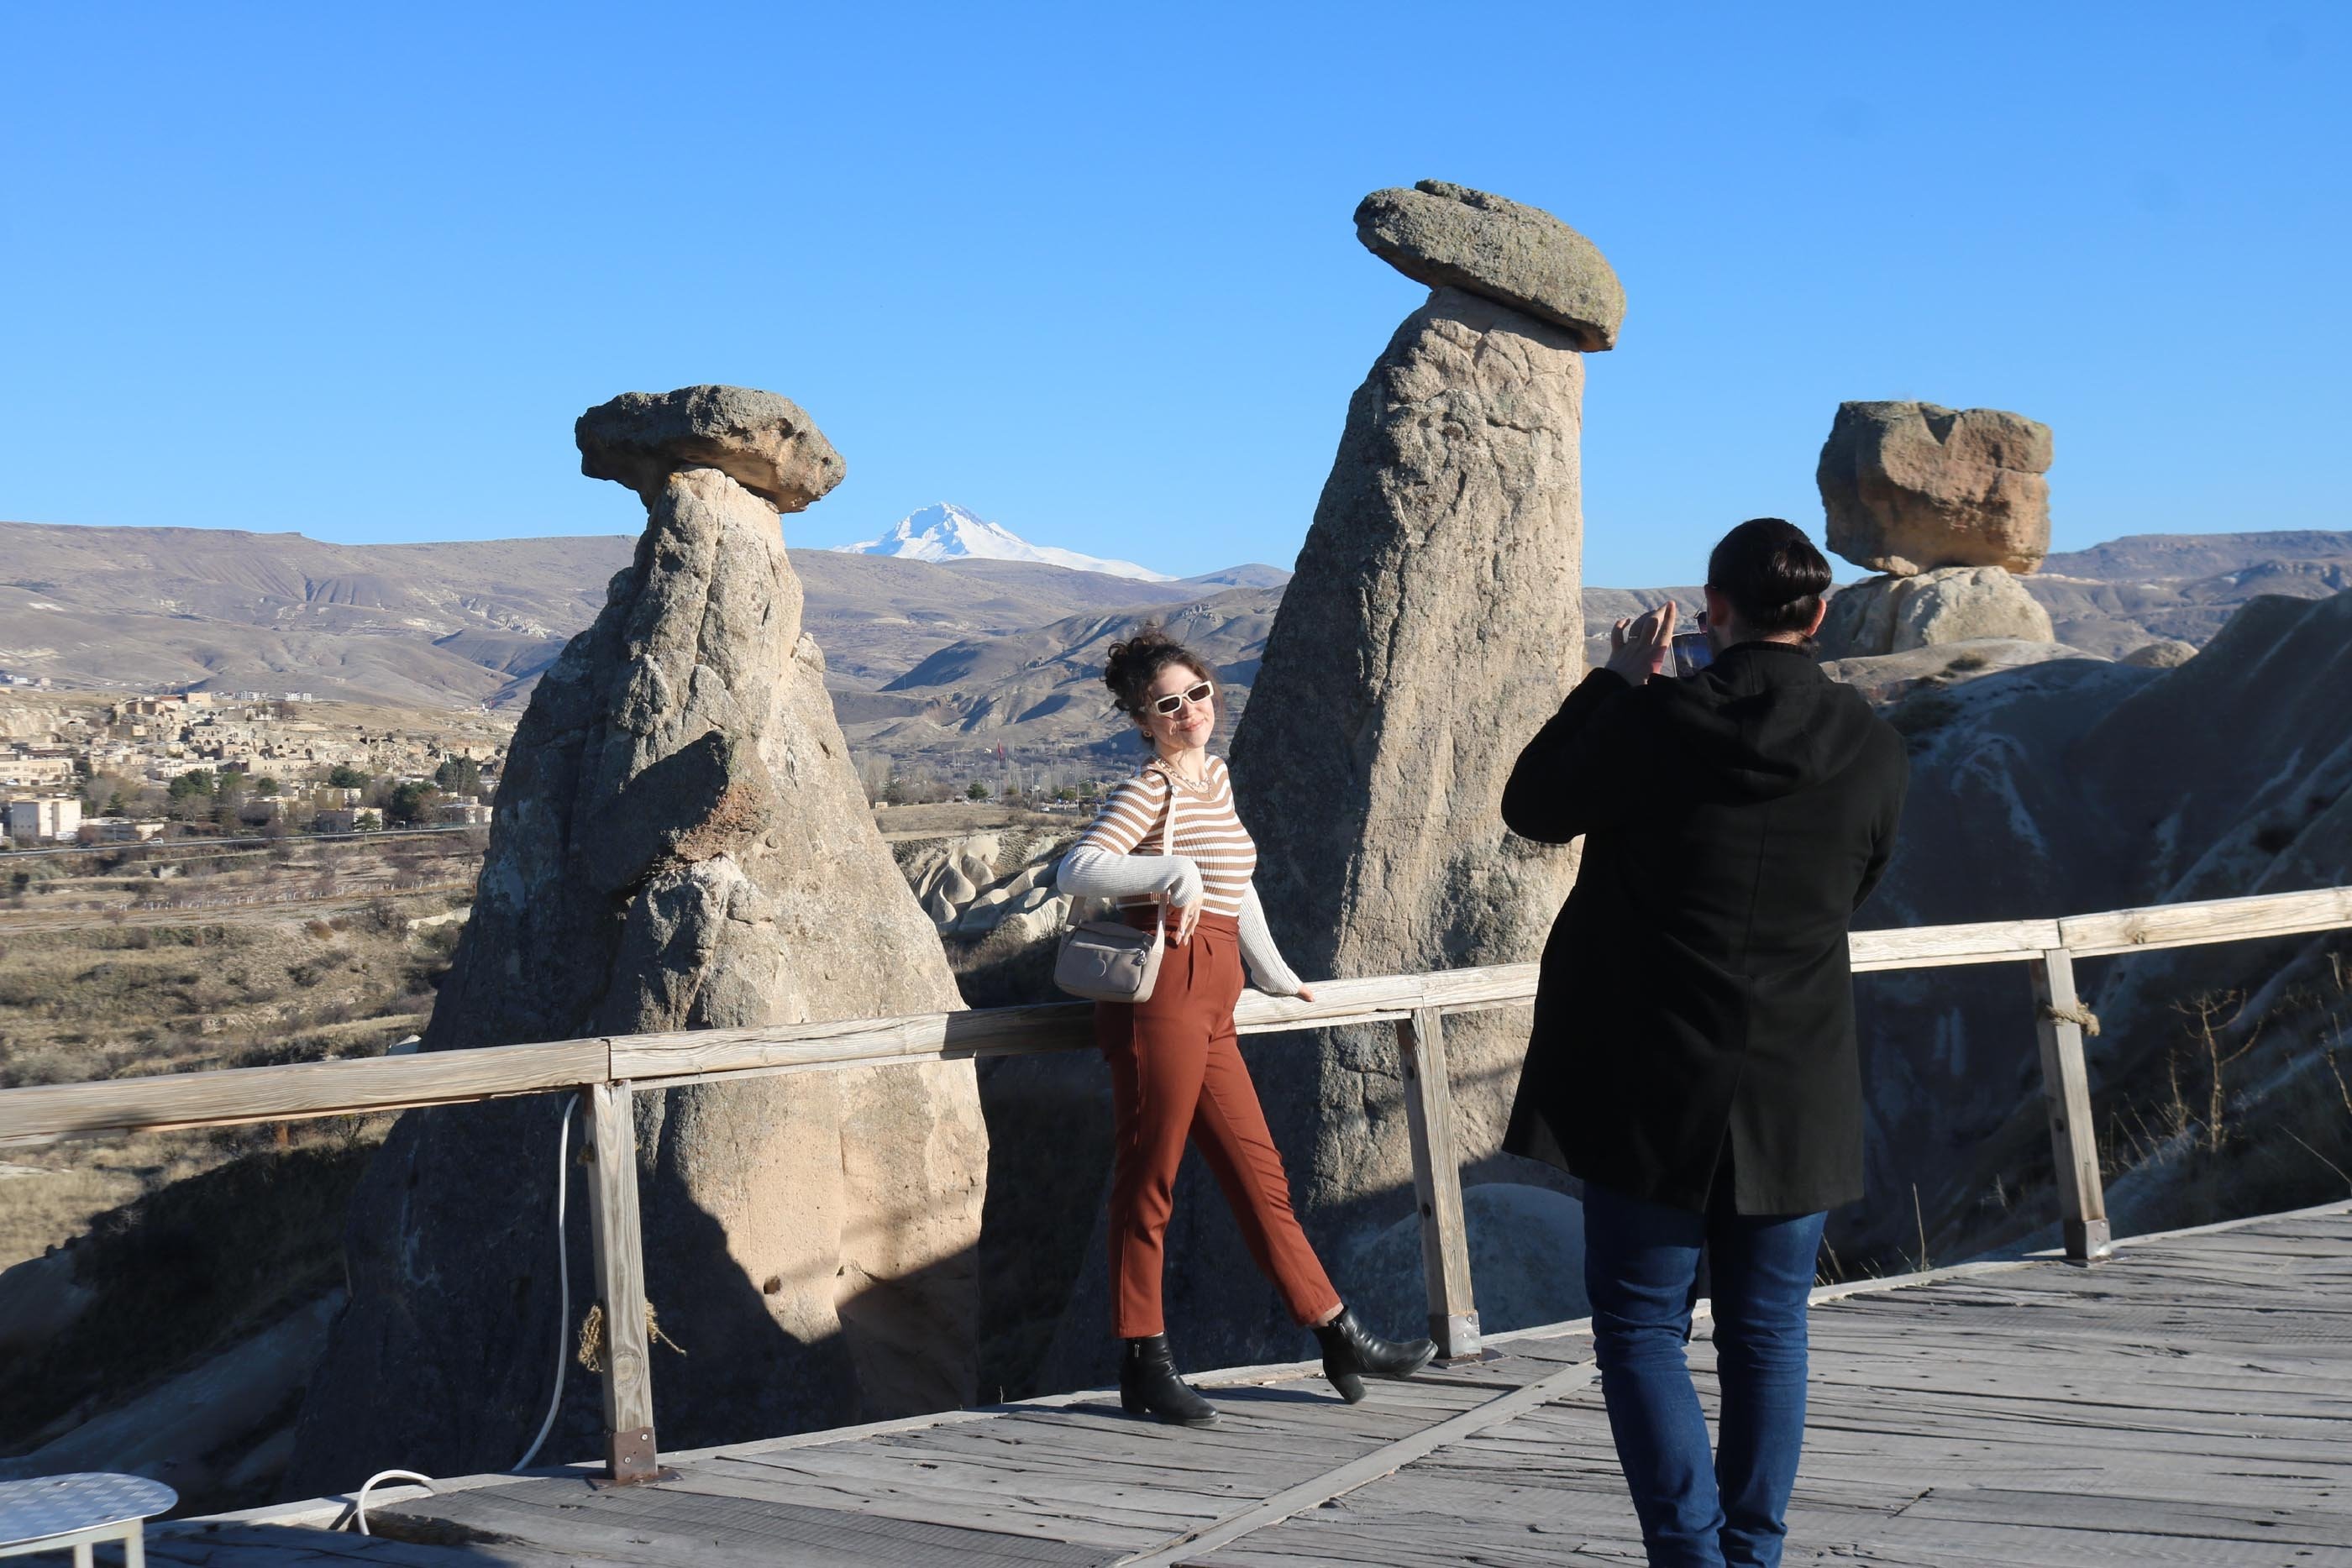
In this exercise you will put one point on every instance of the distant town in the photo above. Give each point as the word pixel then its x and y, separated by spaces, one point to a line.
pixel 92 767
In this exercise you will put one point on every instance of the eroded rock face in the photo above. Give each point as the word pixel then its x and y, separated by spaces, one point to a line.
pixel 680 842
pixel 1910 487
pixel 1451 236
pixel 1434 623
pixel 1951 604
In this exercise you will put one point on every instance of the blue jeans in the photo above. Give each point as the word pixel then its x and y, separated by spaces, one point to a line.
pixel 1640 1262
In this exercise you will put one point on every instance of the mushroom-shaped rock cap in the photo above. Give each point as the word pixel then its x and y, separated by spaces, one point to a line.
pixel 762 441
pixel 1517 255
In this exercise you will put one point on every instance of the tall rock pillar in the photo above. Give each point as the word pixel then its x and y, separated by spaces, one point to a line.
pixel 679 843
pixel 1433 624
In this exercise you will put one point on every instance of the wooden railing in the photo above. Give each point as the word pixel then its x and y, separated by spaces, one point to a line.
pixel 607 1070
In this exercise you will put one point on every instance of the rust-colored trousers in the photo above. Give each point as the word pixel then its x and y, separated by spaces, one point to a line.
pixel 1176 1071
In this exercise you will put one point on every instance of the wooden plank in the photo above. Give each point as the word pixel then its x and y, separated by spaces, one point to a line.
pixel 2067 1099
pixel 1924 946
pixel 628 1390
pixel 1437 1184
pixel 299 1090
pixel 2213 920
pixel 1383 1461
pixel 656 1525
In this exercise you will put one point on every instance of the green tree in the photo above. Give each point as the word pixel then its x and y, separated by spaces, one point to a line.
pixel 343 776
pixel 410 802
pixel 976 790
pixel 195 782
pixel 459 775
pixel 264 785
pixel 894 791
pixel 1066 793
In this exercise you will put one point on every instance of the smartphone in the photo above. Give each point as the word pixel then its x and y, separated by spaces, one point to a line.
pixel 1692 652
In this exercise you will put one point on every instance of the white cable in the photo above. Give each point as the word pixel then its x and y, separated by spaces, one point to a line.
pixel 358 1509
pixel 562 1324
pixel 563 1279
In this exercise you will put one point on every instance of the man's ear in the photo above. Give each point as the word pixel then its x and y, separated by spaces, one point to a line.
pixel 1718 608
pixel 1821 613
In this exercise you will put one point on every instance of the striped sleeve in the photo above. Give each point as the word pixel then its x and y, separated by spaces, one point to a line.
pixel 1131 815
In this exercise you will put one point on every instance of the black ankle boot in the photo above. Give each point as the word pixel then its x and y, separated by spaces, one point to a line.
pixel 1352 1352
pixel 1147 1382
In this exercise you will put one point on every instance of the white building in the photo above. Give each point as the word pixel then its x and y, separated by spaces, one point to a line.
pixel 57 816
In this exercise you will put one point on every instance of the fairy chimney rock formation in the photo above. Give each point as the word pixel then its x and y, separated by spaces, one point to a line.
pixel 1911 487
pixel 1434 623
pixel 680 842
pixel 1449 235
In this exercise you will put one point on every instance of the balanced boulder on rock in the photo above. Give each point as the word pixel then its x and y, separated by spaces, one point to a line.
pixel 1451 236
pixel 1911 487
pixel 680 842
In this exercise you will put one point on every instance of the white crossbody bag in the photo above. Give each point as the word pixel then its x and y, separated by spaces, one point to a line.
pixel 1110 960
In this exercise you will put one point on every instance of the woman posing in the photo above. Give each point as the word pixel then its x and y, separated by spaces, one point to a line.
pixel 1176 1067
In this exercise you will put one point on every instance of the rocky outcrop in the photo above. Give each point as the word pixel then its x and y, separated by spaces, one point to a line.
pixel 1910 487
pixel 2077 785
pixel 2164 654
pixel 1950 604
pixel 679 843
pixel 1433 625
pixel 979 883
pixel 1527 1261
pixel 1451 236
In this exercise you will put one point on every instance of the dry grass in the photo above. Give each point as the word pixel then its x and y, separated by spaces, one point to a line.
pixel 275 984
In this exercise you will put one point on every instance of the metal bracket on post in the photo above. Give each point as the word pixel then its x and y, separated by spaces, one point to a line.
pixel 630 1456
pixel 1437 1185
pixel 2066 1096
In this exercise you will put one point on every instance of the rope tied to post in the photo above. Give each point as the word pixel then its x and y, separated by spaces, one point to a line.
pixel 592 1335
pixel 2078 1015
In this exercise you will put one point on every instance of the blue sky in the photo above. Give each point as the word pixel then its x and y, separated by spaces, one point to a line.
pixel 1090 270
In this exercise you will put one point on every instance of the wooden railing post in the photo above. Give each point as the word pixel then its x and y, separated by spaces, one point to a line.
pixel 2066 1096
pixel 1437 1185
pixel 630 1455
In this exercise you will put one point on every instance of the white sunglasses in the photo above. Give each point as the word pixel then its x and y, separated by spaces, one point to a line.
pixel 1196 695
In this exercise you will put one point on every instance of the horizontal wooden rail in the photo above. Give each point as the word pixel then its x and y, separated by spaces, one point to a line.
pixel 241 1095
pixel 237 1095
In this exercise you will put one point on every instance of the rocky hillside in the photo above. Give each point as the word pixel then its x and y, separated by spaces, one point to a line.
pixel 2114 597
pixel 2076 784
pixel 463 623
pixel 1043 686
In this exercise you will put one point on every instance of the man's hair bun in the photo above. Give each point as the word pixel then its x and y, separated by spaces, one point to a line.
pixel 1771 573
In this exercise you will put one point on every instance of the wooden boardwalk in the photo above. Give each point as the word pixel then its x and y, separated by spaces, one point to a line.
pixel 2189 1402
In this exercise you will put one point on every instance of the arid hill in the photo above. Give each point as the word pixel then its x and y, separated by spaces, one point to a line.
pixel 463 622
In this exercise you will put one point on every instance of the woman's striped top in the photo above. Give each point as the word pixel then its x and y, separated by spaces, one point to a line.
pixel 1207 833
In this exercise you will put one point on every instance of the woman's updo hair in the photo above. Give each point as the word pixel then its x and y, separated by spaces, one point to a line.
pixel 1772 575
pixel 1135 664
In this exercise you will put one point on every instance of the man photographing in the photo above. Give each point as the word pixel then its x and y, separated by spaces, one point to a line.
pixel 1693 1055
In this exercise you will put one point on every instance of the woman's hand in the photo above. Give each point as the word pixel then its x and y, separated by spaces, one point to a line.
pixel 1186 916
pixel 1305 993
pixel 1638 646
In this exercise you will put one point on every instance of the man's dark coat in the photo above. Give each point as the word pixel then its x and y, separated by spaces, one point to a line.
pixel 1695 1001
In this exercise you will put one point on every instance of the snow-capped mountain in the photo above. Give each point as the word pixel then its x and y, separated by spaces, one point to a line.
pixel 949 532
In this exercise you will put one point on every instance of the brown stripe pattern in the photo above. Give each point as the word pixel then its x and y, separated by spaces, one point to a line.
pixel 1133 821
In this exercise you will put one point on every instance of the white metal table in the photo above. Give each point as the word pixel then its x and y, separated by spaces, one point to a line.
pixel 75 1512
